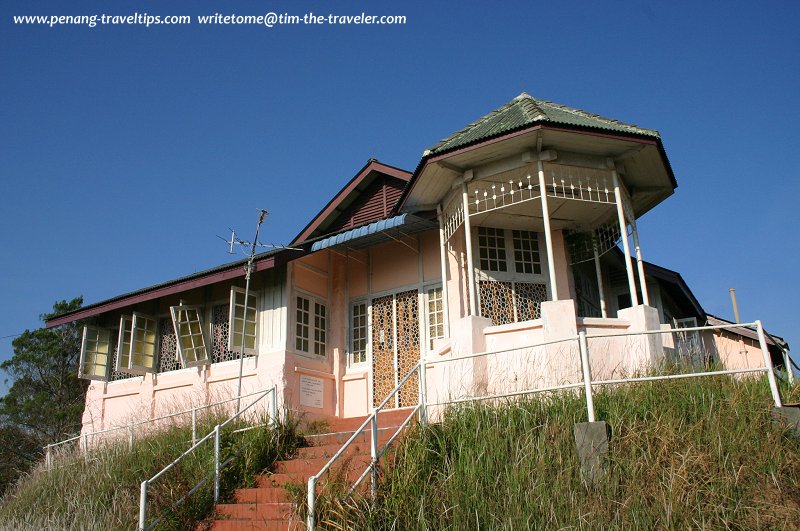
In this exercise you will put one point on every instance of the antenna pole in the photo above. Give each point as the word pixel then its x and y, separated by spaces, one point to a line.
pixel 248 269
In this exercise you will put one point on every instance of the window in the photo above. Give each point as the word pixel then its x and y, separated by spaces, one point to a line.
pixel 124 345
pixel 191 343
pixel 358 333
pixel 310 337
pixel 143 343
pixel 492 249
pixel 242 321
pixel 302 325
pixel 526 252
pixel 319 329
pixel 95 353
pixel 435 315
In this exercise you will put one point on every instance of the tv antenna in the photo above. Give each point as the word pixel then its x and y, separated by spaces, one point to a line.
pixel 248 270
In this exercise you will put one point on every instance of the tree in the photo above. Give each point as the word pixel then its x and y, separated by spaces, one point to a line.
pixel 46 399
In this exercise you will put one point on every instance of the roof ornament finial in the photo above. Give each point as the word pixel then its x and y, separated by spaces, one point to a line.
pixel 523 95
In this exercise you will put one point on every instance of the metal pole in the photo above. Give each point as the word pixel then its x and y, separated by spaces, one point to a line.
pixel 216 463
pixel 423 392
pixel 773 384
pixel 374 453
pixel 130 437
pixel 788 364
pixel 248 270
pixel 143 506
pixel 587 374
pixel 85 440
pixel 735 306
pixel 548 236
pixel 274 406
pixel 48 458
pixel 194 426
pixel 312 502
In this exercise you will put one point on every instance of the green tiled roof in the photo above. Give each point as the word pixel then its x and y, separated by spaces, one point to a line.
pixel 525 110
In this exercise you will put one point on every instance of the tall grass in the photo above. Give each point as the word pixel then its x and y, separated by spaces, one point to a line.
pixel 103 493
pixel 684 454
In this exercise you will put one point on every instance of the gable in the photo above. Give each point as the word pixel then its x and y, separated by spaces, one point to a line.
pixel 369 196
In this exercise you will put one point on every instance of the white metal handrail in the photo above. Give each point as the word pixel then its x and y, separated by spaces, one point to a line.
pixel 375 452
pixel 218 466
pixel 586 383
pixel 84 437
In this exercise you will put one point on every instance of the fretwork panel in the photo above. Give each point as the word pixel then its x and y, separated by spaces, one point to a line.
pixel 497 301
pixel 408 345
pixel 382 350
pixel 500 299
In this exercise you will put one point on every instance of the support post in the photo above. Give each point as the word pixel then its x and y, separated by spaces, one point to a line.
pixel 373 450
pixel 216 463
pixel 787 362
pixel 48 457
pixel 274 407
pixel 640 263
pixel 444 264
pixel 603 309
pixel 130 437
pixel 194 426
pixel 143 506
pixel 471 291
pixel 587 375
pixel 311 503
pixel 423 392
pixel 85 440
pixel 773 383
pixel 548 237
pixel 623 231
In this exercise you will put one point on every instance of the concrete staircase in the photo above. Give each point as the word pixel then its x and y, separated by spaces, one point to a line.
pixel 268 506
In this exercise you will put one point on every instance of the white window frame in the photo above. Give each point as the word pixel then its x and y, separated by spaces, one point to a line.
pixel 232 347
pixel 312 338
pixel 351 362
pixel 125 328
pixel 429 338
pixel 200 350
pixel 86 341
pixel 510 274
pixel 138 319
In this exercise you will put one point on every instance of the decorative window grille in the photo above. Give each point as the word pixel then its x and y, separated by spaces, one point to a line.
pixel 526 252
pixel 492 249
pixel 302 324
pixel 435 315
pixel 190 342
pixel 143 343
pixel 220 328
pixel 95 353
pixel 123 347
pixel 242 321
pixel 358 334
pixel 167 347
pixel 320 322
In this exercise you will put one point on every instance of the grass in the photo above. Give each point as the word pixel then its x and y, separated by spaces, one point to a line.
pixel 700 453
pixel 104 493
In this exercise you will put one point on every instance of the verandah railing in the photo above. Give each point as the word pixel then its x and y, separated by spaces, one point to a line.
pixel 584 380
pixel 87 439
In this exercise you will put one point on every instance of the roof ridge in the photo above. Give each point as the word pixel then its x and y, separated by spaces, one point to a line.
pixel 586 114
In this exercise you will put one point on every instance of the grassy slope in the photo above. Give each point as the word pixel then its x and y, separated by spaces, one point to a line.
pixel 104 493
pixel 684 454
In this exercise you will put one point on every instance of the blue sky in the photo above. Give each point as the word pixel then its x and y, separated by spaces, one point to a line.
pixel 125 151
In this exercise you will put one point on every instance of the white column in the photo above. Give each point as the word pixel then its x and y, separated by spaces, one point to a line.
pixel 445 264
pixel 548 237
pixel 624 236
pixel 639 262
pixel 603 311
pixel 468 242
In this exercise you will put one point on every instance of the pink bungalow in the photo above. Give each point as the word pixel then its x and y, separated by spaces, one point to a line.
pixel 505 236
